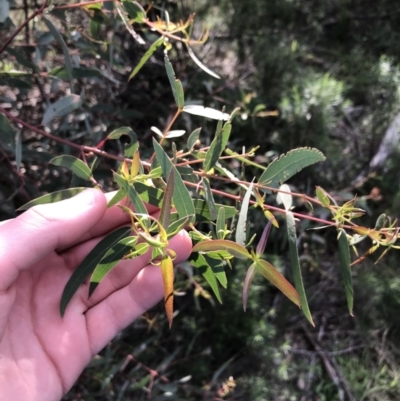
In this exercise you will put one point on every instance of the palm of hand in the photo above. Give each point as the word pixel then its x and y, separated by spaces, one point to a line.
pixel 42 354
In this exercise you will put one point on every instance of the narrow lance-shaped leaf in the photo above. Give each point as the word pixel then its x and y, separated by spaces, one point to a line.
pixel 233 248
pixel 61 107
pixel 135 10
pixel 77 166
pixel 344 254
pixel 176 85
pixel 287 165
pixel 264 238
pixel 120 194
pixel 209 198
pixel 146 56
pixel 220 226
pixel 193 137
pixel 133 196
pixel 200 263
pixel 217 147
pixel 57 36
pixel 207 112
pixel 167 270
pixel 110 260
pixel 165 212
pixel 284 197
pixel 200 64
pixel 53 197
pixel 276 278
pixel 295 264
pixel 242 221
pixel 130 148
pixel 150 195
pixel 88 264
pixel 182 200
pixel 203 212
pixel 251 271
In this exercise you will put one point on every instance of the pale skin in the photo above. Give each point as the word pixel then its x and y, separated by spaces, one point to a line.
pixel 42 354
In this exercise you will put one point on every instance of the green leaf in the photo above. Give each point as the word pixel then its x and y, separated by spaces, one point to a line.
pixel 134 10
pixel 61 107
pixel 193 137
pixel 202 264
pixel 57 36
pixel 217 147
pixel 165 212
pixel 287 165
pixel 52 198
pixel 167 271
pixel 206 112
pixel 150 195
pixel 344 254
pixel 209 198
pixel 220 226
pixel 233 248
pixel 182 200
pixel 110 260
pixel 217 266
pixel 295 264
pixel 122 13
pixel 146 56
pixel 178 225
pixel 241 227
pixel 203 212
pixel 77 166
pixel 88 265
pixel 7 133
pixel 176 85
pixel 120 194
pixel 134 197
pixel 274 277
pixel 322 197
pixel 130 148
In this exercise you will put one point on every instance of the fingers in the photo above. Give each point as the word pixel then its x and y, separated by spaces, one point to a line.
pixel 140 289
pixel 44 229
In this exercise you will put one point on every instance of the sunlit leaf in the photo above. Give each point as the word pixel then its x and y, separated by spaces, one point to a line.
pixel 242 221
pixel 182 200
pixel 133 196
pixel 206 112
pixel 295 265
pixel 87 266
pixel 178 225
pixel 110 260
pixel 201 263
pixel 122 13
pixel 284 198
pixel 344 254
pixel 77 166
pixel 175 134
pixel 61 107
pixel 135 10
pixel 200 64
pixel 146 56
pixel 57 36
pixel 176 85
pixel 53 197
pixel 233 248
pixel 322 197
pixel 251 271
pixel 120 194
pixel 287 165
pixel 167 270
pixel 150 195
pixel 276 278
pixel 130 148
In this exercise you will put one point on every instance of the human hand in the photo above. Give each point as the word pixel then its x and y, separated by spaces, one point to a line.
pixel 42 354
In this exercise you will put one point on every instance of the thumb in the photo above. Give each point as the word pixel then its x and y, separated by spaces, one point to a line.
pixel 44 229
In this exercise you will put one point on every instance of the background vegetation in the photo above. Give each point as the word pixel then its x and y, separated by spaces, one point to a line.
pixel 305 73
